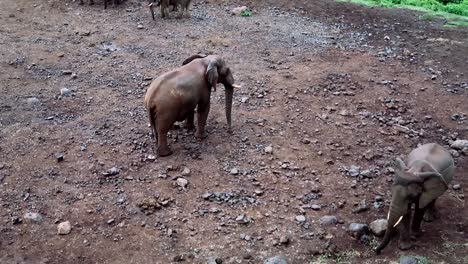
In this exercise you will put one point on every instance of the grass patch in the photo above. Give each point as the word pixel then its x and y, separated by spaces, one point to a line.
pixel 454 14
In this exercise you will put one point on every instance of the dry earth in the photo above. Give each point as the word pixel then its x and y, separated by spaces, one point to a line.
pixel 325 86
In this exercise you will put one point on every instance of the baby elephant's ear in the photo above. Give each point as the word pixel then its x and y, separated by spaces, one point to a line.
pixel 193 57
pixel 433 187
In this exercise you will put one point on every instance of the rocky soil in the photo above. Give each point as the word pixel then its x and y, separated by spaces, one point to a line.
pixel 331 94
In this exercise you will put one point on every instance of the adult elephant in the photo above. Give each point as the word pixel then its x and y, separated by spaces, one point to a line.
pixel 174 96
pixel 426 177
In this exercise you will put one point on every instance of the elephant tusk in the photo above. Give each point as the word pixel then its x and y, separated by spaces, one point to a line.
pixel 236 86
pixel 399 220
pixel 388 215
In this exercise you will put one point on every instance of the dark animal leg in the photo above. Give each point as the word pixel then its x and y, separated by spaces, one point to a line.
pixel 202 116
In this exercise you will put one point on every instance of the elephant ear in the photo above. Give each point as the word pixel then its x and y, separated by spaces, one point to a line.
pixel 212 74
pixel 193 57
pixel 433 187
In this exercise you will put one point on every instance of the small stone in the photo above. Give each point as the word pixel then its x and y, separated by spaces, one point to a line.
pixel 182 182
pixel 59 157
pixel 269 150
pixel 356 230
pixel 284 240
pixel 456 187
pixel 315 207
pixel 275 260
pixel 151 157
pixel 305 141
pixel 365 239
pixel 214 260
pixel 34 217
pixel 387 38
pixel 112 171
pixel 354 171
pixel 186 172
pixel 234 171
pixel 238 10
pixel 140 26
pixel 300 218
pixel 65 92
pixel 64 228
pixel 408 260
pixel 378 227
pixel 33 101
pixel 244 99
pixel 110 221
pixel 328 220
pixel 433 77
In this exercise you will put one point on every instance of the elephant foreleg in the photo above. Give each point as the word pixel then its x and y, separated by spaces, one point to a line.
pixel 405 242
pixel 431 212
pixel 202 116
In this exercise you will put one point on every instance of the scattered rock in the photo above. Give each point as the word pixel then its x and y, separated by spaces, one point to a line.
pixel 459 144
pixel 59 157
pixel 300 218
pixel 182 182
pixel 354 171
pixel 65 92
pixel 361 207
pixel 408 260
pixel 275 260
pixel 378 227
pixel 186 172
pixel 244 99
pixel 456 187
pixel 269 150
pixel 328 220
pixel 284 240
pixel 356 230
pixel 238 10
pixel 214 260
pixel 140 26
pixel 234 171
pixel 64 228
pixel 315 207
pixel 112 171
pixel 34 217
pixel 33 101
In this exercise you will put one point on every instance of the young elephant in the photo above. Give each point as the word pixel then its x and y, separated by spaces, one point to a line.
pixel 174 95
pixel 184 7
pixel 430 169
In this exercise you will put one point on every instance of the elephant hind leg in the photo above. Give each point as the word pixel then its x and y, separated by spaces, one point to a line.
pixel 164 124
pixel 189 121
pixel 152 117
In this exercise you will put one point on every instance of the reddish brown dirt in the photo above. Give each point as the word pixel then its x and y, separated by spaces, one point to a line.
pixel 325 86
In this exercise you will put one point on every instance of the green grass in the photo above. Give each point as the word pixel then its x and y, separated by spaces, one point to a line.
pixel 454 14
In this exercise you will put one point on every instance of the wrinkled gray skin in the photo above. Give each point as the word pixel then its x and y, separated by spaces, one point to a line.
pixel 430 169
pixel 91 2
pixel 174 96
pixel 164 5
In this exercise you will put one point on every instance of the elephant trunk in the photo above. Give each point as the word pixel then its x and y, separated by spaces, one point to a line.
pixel 396 213
pixel 229 91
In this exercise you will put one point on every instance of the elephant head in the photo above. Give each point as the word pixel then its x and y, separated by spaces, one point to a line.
pixel 419 188
pixel 218 72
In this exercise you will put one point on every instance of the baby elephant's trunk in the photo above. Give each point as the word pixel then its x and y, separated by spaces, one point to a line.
pixel 229 91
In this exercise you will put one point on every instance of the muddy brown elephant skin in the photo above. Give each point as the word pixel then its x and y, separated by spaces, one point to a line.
pixel 430 169
pixel 174 95
pixel 164 6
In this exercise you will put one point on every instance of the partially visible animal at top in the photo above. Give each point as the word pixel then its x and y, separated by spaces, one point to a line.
pixel 164 5
pixel 91 2
pixel 174 95
pixel 429 170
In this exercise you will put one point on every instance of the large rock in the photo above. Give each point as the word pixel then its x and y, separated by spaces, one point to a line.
pixel 276 260
pixel 378 227
pixel 34 217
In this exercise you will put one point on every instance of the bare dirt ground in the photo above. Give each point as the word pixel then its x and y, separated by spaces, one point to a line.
pixel 326 85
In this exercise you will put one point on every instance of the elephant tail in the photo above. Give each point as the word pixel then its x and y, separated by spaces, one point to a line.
pixel 152 118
